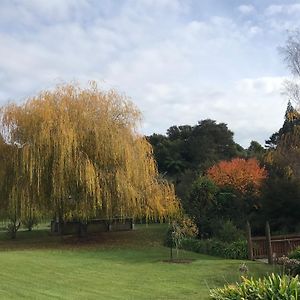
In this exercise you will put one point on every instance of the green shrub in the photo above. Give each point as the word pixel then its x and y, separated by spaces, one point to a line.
pixel 30 222
pixel 295 254
pixel 235 250
pixel 290 266
pixel 228 232
pixel 268 288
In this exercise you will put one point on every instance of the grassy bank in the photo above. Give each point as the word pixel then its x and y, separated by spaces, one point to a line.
pixel 120 265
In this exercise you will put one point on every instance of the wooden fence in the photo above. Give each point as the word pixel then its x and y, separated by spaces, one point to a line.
pixel 271 246
pixel 92 226
pixel 281 245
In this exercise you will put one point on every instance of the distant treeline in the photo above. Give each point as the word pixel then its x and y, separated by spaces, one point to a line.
pixel 186 153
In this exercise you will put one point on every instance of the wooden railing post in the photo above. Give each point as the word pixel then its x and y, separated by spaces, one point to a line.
pixel 249 241
pixel 269 243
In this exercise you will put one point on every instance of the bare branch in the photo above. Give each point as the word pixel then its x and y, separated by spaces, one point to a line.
pixel 291 52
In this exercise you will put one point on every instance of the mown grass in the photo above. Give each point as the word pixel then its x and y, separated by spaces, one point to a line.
pixel 117 265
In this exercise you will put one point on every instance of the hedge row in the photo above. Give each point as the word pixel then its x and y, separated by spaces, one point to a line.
pixel 234 250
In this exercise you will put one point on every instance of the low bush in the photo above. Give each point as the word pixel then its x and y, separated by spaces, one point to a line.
pixel 29 223
pixel 290 266
pixel 268 288
pixel 234 250
pixel 12 228
pixel 228 232
pixel 295 254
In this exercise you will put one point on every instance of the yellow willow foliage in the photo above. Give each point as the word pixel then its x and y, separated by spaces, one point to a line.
pixel 3 167
pixel 2 158
pixel 82 157
pixel 8 165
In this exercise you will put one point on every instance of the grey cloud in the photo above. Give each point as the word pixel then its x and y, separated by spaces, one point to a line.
pixel 178 69
pixel 283 9
pixel 246 8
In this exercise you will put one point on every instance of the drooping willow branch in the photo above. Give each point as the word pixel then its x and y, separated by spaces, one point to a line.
pixel 79 155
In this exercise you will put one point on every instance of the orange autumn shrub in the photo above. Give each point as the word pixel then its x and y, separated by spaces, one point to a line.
pixel 239 174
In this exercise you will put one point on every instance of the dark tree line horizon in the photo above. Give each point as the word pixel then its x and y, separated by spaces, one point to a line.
pixel 185 153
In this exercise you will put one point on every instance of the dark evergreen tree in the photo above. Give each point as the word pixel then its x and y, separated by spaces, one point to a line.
pixel 280 205
pixel 186 152
pixel 291 119
pixel 256 150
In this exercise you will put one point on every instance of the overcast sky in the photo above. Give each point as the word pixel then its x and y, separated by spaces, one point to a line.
pixel 179 61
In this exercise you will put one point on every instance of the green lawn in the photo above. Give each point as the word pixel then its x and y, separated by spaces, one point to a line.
pixel 120 265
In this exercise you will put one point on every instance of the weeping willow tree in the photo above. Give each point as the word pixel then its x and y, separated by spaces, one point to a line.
pixel 4 177
pixel 10 205
pixel 77 154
